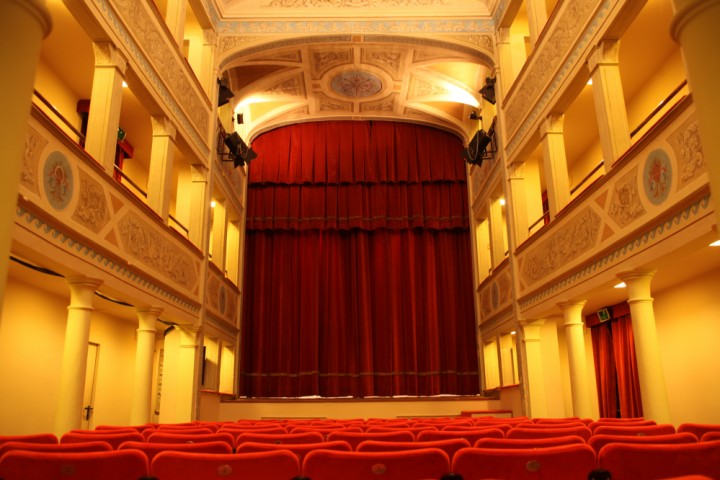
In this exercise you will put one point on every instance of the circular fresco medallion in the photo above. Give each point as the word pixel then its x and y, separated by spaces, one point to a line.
pixel 356 84
pixel 657 176
pixel 58 180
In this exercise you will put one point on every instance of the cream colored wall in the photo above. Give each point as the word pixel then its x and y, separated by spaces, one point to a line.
pixel 61 96
pixel 688 325
pixel 32 332
pixel 116 368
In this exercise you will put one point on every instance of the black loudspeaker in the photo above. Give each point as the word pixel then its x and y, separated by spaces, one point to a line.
pixel 224 94
pixel 488 91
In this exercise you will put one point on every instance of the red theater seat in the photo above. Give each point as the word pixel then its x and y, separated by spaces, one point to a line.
pixel 279 465
pixel 299 449
pixel 279 438
pixel 162 437
pixel 152 449
pixel 98 446
pixel 564 462
pixel 521 432
pixel 423 464
pixel 449 446
pixel 698 429
pixel 109 436
pixel 112 465
pixel 635 430
pixel 471 435
pixel 528 442
pixel 649 462
pixel 600 440
pixel 619 422
pixel 33 438
pixel 355 438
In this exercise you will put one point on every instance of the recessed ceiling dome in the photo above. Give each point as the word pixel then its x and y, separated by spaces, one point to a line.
pixel 356 84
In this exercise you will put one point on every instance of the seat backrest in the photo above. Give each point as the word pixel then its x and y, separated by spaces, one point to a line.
pixel 139 428
pixel 98 446
pixel 567 424
pixel 528 442
pixel 635 430
pixel 279 438
pixel 599 440
pixel 110 465
pixel 651 461
pixel 299 449
pixel 521 432
pixel 114 439
pixel 545 420
pixel 355 438
pixel 423 464
pixel 710 436
pixel 618 422
pixel 152 449
pixel 698 429
pixel 415 430
pixel 237 430
pixel 563 462
pixel 325 431
pixel 33 438
pixel 162 437
pixel 471 435
pixel 185 430
pixel 270 465
pixel 449 446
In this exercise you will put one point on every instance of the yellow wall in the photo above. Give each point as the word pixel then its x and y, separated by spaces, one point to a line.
pixel 689 335
pixel 32 332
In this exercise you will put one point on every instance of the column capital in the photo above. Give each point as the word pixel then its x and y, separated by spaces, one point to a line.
pixel 572 312
pixel 198 173
pixel 638 284
pixel 607 52
pixel 189 335
pixel 503 35
pixel 162 126
pixel 210 37
pixel 108 55
pixel 39 10
pixel 685 12
pixel 553 123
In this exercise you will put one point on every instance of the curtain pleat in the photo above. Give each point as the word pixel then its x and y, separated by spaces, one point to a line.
pixel 627 373
pixel 358 278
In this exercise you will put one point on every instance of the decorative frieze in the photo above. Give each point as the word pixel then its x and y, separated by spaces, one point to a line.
pixel 625 206
pixel 151 248
pixel 92 208
pixel 34 145
pixel 570 241
pixel 687 145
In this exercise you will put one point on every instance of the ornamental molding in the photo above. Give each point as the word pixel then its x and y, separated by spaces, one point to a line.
pixel 643 239
pixel 104 261
pixel 396 26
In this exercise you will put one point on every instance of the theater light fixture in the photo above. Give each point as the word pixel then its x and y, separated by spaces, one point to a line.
pixel 240 153
pixel 488 90
pixel 481 146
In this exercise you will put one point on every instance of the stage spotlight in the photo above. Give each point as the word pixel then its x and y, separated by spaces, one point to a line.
pixel 240 153
pixel 475 151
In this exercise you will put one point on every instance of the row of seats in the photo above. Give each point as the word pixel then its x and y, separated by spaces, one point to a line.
pixel 565 462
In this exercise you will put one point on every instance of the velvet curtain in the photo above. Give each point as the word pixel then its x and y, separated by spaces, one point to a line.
pixel 616 371
pixel 358 277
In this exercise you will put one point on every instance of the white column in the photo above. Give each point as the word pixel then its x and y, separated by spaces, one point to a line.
pixel 23 25
pixel 517 202
pixel 535 379
pixel 610 109
pixel 141 408
pixel 536 17
pixel 187 365
pixel 208 73
pixel 647 350
pixel 75 351
pixel 105 103
pixel 577 358
pixel 695 28
pixel 199 205
pixel 161 165
pixel 555 163
pixel 506 74
pixel 175 14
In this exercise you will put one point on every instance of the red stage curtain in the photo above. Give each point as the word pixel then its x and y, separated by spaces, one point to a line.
pixel 358 277
pixel 616 371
